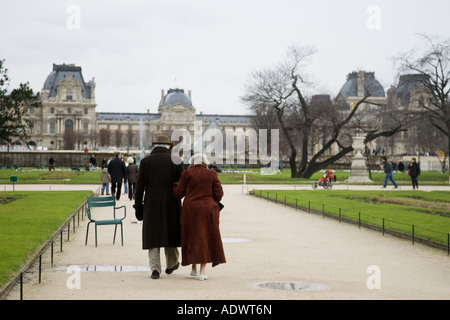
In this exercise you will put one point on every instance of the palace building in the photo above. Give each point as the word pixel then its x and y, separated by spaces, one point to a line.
pixel 68 119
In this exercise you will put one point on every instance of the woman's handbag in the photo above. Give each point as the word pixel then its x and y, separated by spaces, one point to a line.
pixel 220 205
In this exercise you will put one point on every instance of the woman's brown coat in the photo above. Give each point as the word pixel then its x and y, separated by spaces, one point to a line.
pixel 200 235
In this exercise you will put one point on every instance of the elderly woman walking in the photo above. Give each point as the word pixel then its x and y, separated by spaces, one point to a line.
pixel 201 242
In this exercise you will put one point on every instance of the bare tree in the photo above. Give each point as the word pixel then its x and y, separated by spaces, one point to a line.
pixel 284 89
pixel 119 135
pixel 433 64
pixel 105 137
pixel 70 139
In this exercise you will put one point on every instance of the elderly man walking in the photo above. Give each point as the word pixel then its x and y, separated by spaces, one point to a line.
pixel 156 206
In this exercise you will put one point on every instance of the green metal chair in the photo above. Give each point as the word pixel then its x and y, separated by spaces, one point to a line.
pixel 96 202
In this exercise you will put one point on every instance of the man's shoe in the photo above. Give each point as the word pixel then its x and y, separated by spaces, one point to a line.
pixel 175 267
pixel 155 274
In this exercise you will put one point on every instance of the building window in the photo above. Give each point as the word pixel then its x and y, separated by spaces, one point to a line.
pixel 69 110
pixel 86 127
pixel 31 110
pixel 52 127
pixel 69 95
pixel 85 110
pixel 69 124
pixel 52 110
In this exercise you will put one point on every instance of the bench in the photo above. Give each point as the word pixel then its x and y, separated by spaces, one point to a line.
pixel 102 202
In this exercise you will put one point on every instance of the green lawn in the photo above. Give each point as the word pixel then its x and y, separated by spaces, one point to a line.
pixel 28 220
pixel 429 212
pixel 236 176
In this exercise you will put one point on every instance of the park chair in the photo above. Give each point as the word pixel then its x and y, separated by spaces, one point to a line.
pixel 99 202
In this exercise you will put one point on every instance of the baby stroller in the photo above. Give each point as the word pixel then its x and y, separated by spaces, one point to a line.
pixel 325 180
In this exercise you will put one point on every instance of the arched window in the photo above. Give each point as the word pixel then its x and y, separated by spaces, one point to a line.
pixel 86 127
pixel 69 124
pixel 52 110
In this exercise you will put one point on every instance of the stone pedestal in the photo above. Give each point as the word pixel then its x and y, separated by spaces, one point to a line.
pixel 358 169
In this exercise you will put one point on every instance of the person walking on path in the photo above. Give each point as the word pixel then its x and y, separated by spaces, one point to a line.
pixel 156 206
pixel 414 172
pixel 201 241
pixel 106 180
pixel 132 173
pixel 387 167
pixel 116 168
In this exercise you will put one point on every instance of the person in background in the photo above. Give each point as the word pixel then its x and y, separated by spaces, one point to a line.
pixel 414 172
pixel 387 167
pixel 92 162
pixel 132 174
pixel 106 180
pixel 51 164
pixel 116 168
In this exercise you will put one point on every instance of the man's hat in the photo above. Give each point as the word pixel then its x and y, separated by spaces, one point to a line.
pixel 162 140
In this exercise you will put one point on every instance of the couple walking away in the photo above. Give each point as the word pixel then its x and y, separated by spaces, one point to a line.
pixel 194 227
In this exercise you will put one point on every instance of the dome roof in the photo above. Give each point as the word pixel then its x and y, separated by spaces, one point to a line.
pixel 371 85
pixel 407 83
pixel 62 71
pixel 175 96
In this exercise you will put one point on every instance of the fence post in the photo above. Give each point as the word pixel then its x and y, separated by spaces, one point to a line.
pixel 51 255
pixel 412 234
pixel 296 203
pixel 323 210
pixel 339 215
pixel 21 286
pixel 359 220
pixel 309 206
pixel 40 267
pixel 383 227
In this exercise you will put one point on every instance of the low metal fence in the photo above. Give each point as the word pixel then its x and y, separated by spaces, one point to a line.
pixel 57 238
pixel 354 217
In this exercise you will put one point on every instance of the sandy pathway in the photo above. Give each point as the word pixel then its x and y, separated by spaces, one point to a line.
pixel 264 242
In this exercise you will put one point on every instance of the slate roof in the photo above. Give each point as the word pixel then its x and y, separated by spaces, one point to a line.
pixel 62 71
pixel 350 88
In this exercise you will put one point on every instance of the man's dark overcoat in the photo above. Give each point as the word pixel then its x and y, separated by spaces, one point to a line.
pixel 161 210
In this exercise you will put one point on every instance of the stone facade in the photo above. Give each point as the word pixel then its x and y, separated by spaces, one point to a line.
pixel 68 106
pixel 68 119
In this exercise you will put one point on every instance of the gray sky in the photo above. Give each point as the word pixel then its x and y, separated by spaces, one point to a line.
pixel 136 48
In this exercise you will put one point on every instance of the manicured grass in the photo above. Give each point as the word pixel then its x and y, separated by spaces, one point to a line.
pixel 28 220
pixel 235 176
pixel 33 176
pixel 284 177
pixel 429 212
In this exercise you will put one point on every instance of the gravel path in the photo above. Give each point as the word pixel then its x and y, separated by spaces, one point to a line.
pixel 264 244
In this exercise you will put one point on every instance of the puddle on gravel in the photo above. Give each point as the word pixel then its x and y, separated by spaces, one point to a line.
pixel 292 286
pixel 104 268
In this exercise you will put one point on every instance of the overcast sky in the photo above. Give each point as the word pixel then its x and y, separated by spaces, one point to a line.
pixel 136 48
